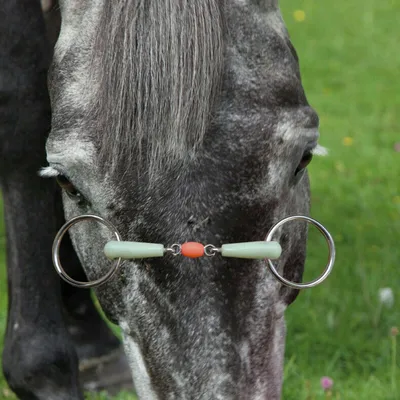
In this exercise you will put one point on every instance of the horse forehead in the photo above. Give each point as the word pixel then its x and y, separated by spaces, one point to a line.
pixel 73 54
pixel 80 22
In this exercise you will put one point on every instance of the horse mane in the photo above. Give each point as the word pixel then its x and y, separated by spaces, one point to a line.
pixel 160 66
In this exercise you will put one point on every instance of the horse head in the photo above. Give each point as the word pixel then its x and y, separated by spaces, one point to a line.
pixel 185 121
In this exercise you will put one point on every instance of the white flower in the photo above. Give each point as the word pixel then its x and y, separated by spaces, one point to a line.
pixel 386 297
pixel 331 319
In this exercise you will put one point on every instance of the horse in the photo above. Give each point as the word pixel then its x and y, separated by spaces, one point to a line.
pixel 175 121
pixel 55 342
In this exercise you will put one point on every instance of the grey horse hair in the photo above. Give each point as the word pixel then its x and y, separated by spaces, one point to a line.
pixel 160 65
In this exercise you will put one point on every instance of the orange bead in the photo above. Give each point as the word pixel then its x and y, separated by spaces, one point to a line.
pixel 192 249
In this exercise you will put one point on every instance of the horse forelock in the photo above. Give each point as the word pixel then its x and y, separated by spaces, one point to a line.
pixel 159 66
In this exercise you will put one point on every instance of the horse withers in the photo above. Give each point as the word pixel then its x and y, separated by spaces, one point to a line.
pixel 176 121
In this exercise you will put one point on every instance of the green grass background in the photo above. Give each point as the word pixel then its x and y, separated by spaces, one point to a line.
pixel 350 61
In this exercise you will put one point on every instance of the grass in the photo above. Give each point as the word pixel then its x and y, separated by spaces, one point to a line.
pixel 350 61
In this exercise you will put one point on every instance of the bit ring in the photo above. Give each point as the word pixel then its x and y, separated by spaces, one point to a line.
pixel 331 248
pixel 56 252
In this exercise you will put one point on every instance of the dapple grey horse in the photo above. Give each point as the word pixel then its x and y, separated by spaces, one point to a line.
pixel 51 326
pixel 174 120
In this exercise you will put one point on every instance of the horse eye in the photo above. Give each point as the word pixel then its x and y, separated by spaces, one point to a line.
pixel 307 157
pixel 69 188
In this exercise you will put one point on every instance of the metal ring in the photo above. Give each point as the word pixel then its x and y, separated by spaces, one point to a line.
pixel 56 252
pixel 210 250
pixel 331 248
pixel 175 249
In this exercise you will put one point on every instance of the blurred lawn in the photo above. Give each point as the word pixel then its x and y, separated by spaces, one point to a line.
pixel 350 63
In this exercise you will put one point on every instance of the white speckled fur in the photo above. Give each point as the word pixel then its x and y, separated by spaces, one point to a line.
pixel 141 376
pixel 205 328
